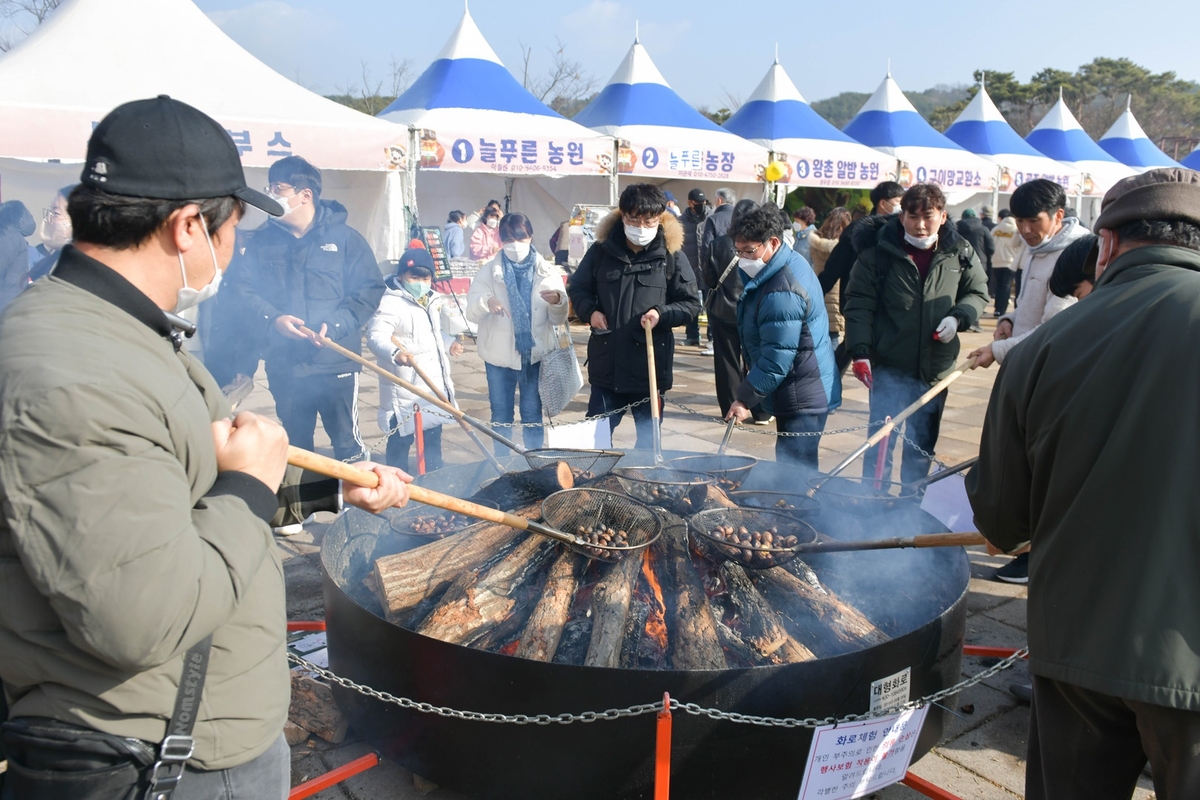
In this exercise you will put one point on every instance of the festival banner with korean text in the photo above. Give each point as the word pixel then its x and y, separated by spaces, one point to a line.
pixel 448 151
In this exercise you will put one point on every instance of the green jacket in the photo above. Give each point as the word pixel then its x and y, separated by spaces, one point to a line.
pixel 120 544
pixel 891 314
pixel 1091 451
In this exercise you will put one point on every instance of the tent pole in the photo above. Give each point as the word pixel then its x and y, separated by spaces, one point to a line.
pixel 614 180
pixel 414 161
pixel 996 191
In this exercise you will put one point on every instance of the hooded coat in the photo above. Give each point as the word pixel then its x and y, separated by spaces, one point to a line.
pixel 426 330
pixel 496 342
pixel 693 229
pixel 891 313
pixel 328 276
pixel 624 285
pixel 1090 453
pixel 15 224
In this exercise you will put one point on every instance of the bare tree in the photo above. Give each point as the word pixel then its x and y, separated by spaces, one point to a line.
pixel 563 84
pixel 22 16
pixel 401 75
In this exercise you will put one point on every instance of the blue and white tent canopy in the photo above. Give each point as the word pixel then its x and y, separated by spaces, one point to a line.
pixel 889 123
pixel 1193 159
pixel 1128 143
pixel 1060 136
pixel 661 136
pixel 982 129
pixel 816 153
pixel 473 116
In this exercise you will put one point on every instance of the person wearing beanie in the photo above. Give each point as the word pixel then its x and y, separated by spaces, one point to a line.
pixel 987 214
pixel 1089 456
pixel 414 328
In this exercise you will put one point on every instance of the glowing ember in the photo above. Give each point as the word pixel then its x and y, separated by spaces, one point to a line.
pixel 510 648
pixel 656 626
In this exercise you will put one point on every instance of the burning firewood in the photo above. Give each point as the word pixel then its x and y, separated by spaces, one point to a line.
pixel 539 639
pixel 610 607
pixel 822 621
pixel 405 579
pixel 760 625
pixel 694 641
pixel 635 630
pixel 526 486
pixel 478 602
pixel 708 497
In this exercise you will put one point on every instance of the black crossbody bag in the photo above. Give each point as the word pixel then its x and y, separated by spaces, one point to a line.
pixel 53 760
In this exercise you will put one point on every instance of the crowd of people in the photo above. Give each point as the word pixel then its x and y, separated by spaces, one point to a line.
pixel 135 538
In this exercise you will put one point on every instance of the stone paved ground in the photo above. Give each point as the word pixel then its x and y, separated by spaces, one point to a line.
pixel 982 755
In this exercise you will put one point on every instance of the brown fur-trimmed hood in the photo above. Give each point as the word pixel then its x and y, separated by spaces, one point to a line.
pixel 671 229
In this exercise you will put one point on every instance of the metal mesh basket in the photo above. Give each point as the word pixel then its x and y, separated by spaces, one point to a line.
pixel 433 523
pixel 794 505
pixel 730 471
pixel 864 497
pixel 584 464
pixel 754 539
pixel 660 486
pixel 610 525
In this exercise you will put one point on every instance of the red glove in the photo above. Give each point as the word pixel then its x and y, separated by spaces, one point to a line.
pixel 862 371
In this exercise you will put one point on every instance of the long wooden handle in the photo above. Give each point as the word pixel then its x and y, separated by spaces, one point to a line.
pixel 462 423
pixel 426 396
pixel 654 410
pixel 923 540
pixel 333 468
pixel 888 427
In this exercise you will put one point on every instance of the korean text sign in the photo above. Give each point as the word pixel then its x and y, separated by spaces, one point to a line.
pixel 857 758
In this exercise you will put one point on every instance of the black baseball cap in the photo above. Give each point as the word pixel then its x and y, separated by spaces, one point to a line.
pixel 167 150
pixel 697 196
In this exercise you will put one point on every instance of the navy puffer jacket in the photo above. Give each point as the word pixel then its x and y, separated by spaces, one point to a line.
pixel 784 331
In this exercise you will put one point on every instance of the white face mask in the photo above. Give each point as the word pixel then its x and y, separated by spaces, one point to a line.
pixel 922 243
pixel 493 223
pixel 187 296
pixel 283 201
pixel 55 235
pixel 751 266
pixel 640 236
pixel 797 226
pixel 516 251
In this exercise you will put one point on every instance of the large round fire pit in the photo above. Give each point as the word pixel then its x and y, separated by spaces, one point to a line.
pixel 917 598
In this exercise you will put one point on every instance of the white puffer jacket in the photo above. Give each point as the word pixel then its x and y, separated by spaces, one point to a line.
pixel 497 343
pixel 426 330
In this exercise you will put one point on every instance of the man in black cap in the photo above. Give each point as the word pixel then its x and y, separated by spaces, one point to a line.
pixel 135 539
pixel 1090 453
pixel 693 218
pixel 309 270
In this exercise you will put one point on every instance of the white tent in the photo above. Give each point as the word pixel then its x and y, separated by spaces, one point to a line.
pixel 1060 136
pixel 1128 143
pixel 662 139
pixel 478 134
pixel 93 55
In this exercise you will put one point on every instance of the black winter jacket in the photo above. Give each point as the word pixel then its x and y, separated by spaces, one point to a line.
pixel 723 306
pixel 693 228
pixel 623 286
pixel 974 231
pixel 329 276
pixel 716 226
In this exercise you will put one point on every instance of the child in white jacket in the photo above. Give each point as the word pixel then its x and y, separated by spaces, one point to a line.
pixel 426 324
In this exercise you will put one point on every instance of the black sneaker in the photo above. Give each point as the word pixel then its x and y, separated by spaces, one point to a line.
pixel 1015 571
pixel 691 342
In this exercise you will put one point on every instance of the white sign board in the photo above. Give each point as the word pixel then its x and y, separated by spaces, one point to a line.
pixel 590 434
pixel 892 691
pixel 856 758
pixel 947 501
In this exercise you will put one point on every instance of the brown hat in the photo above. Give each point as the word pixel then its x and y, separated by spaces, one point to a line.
pixel 1172 194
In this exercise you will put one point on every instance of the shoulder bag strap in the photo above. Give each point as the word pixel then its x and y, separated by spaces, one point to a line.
pixel 179 745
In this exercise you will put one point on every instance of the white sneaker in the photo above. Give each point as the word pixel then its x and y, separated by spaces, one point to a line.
pixel 708 351
pixel 289 530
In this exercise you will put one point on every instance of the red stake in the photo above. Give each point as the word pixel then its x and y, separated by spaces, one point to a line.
pixel 334 777
pixel 662 752
pixel 420 433
pixel 984 651
pixel 881 457
pixel 306 625
pixel 926 788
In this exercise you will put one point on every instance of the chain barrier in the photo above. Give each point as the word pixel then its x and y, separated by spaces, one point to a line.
pixel 652 708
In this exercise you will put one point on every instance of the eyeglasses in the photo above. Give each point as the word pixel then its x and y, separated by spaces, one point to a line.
pixel 749 253
pixel 277 188
pixel 643 222
pixel 50 214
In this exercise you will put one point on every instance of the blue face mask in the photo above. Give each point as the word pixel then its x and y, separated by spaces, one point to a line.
pixel 417 289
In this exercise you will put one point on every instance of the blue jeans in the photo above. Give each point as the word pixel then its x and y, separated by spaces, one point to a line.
pixel 893 392
pixel 836 399
pixel 503 384
pixel 604 400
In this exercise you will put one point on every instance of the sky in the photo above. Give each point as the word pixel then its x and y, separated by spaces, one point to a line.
pixel 709 51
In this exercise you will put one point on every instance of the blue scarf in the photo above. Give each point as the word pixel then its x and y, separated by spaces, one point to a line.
pixel 518 279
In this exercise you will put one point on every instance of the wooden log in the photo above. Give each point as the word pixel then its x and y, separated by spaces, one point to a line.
pixel 476 603
pixel 405 579
pixel 542 632
pixel 738 653
pixel 706 498
pixel 760 625
pixel 573 645
pixel 313 709
pixel 792 652
pixel 824 623
pixel 635 630
pixel 610 607
pixel 526 486
pixel 692 627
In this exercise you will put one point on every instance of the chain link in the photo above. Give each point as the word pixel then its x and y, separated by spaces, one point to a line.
pixel 651 708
